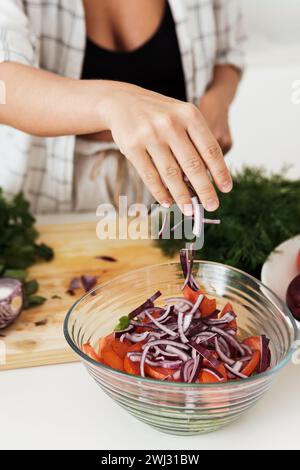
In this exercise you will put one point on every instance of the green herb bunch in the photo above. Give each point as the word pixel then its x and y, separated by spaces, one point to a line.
pixel 261 212
pixel 18 247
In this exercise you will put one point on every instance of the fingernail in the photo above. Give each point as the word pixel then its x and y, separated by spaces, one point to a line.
pixel 227 187
pixel 211 205
pixel 166 205
pixel 186 209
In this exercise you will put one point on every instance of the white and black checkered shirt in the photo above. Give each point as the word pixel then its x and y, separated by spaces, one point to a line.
pixel 51 34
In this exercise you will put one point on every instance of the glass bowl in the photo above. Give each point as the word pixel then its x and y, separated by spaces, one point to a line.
pixel 173 407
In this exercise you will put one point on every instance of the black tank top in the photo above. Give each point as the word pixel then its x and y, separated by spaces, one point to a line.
pixel 156 65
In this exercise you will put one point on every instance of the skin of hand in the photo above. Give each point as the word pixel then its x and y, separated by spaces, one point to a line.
pixel 216 102
pixel 165 139
pixel 215 112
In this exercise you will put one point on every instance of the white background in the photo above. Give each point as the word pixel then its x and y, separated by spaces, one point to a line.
pixel 265 123
pixel 61 407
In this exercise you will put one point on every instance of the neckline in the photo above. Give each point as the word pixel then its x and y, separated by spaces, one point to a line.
pixel 146 43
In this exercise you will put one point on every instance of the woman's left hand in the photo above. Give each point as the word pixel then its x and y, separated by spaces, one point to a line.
pixel 216 115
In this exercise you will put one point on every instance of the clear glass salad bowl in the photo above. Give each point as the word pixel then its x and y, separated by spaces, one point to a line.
pixel 173 407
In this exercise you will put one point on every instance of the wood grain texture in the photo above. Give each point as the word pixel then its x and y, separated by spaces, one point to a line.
pixel 36 338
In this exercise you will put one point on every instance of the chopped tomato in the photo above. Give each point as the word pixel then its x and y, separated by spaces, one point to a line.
pixel 298 261
pixel 206 376
pixel 141 329
pixel 207 306
pixel 228 308
pixel 158 373
pixel 254 342
pixel 131 367
pixel 252 365
pixel 111 352
pixel 89 351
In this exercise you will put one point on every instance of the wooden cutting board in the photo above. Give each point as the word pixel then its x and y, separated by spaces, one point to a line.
pixel 36 338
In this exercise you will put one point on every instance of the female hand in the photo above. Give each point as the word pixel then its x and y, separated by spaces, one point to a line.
pixel 166 139
pixel 215 113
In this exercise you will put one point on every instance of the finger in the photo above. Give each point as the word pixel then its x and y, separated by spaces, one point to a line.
pixel 195 169
pixel 150 176
pixel 225 144
pixel 172 176
pixel 211 153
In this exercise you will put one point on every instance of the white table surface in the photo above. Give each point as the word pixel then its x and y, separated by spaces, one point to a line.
pixel 61 407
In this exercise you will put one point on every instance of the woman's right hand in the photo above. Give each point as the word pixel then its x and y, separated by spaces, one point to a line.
pixel 166 139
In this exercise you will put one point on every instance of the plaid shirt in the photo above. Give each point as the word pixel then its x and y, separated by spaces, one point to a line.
pixel 51 34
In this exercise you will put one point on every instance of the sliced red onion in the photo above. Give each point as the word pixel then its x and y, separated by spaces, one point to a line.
pixel 206 354
pixel 11 301
pixel 225 346
pixel 203 337
pixel 231 332
pixel 198 218
pixel 245 358
pixel 166 364
pixel 212 221
pixel 88 282
pixel 174 300
pixel 135 357
pixel 186 370
pixel 178 352
pixel 187 320
pixel 184 308
pixel 196 369
pixel 265 356
pixel 148 304
pixel 197 304
pixel 186 259
pixel 222 355
pixel 232 341
pixel 237 366
pixel 74 285
pixel 247 349
pixel 135 337
pixel 235 373
pixel 227 318
pixel 118 334
pixel 194 330
pixel 180 328
pixel 143 325
pixel 160 325
pixel 167 342
pixel 165 224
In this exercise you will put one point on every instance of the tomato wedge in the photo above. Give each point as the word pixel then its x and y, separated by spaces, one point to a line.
pixel 131 367
pixel 252 365
pixel 89 351
pixel 206 376
pixel 158 373
pixel 254 342
pixel 112 351
pixel 228 308
pixel 207 306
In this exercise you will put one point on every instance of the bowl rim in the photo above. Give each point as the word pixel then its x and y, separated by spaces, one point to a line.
pixel 194 386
